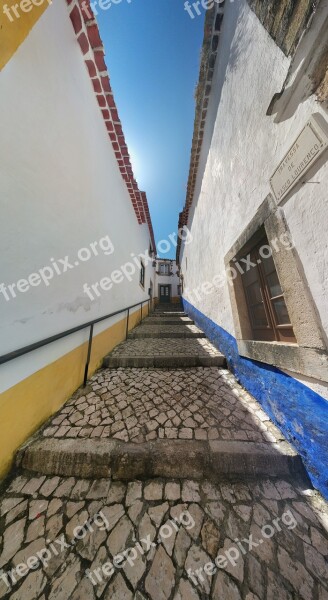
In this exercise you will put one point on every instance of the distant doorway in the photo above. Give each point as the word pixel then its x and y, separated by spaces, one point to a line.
pixel 165 294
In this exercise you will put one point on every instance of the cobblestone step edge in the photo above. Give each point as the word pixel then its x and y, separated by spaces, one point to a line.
pixel 163 362
pixel 161 333
pixel 181 459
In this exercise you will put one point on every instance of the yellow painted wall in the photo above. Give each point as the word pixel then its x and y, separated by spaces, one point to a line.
pixel 27 405
pixel 13 29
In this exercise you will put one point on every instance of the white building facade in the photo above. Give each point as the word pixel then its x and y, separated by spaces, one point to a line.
pixel 167 282
pixel 76 236
pixel 255 274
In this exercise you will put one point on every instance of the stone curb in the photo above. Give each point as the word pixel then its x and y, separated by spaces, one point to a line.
pixel 181 459
pixel 163 362
pixel 160 332
pixel 169 321
pixel 169 313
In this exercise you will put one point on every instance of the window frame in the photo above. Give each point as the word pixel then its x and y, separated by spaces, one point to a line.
pixel 142 274
pixel 309 356
pixel 165 266
pixel 273 330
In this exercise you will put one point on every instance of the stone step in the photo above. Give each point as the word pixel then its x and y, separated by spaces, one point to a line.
pixel 166 331
pixel 168 307
pixel 165 353
pixel 168 321
pixel 166 316
pixel 161 313
pixel 183 459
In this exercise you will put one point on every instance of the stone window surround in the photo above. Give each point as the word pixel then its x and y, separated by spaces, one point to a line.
pixel 162 267
pixel 142 275
pixel 309 356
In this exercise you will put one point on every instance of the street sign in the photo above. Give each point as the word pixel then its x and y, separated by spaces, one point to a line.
pixel 309 146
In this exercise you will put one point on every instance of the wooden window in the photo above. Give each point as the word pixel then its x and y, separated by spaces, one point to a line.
pixel 164 269
pixel 142 274
pixel 266 305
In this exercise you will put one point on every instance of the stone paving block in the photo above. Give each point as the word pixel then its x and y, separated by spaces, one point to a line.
pixel 134 492
pixel 12 540
pixel 164 330
pixel 154 491
pixel 31 587
pixel 161 577
pixel 181 565
pixel 172 491
pixel 216 412
pixel 175 441
pixel 157 513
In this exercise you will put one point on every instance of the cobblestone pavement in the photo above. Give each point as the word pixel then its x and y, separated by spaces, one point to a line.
pixel 166 339
pixel 169 318
pixel 74 539
pixel 166 347
pixel 137 405
pixel 168 309
pixel 166 331
pixel 56 533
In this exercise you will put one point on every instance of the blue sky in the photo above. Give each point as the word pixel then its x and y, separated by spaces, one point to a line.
pixel 153 55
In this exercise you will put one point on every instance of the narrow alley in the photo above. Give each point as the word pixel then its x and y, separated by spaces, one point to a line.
pixel 163 300
pixel 162 483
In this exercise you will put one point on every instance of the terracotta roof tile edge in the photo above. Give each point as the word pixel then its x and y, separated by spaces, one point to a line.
pixel 87 33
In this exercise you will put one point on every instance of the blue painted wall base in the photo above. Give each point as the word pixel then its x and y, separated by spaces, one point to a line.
pixel 300 413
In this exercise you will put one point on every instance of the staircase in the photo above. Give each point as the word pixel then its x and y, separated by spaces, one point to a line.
pixel 162 406
pixel 167 339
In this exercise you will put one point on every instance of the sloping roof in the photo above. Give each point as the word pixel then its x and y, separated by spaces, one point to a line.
pixel 213 22
pixel 88 36
pixel 285 21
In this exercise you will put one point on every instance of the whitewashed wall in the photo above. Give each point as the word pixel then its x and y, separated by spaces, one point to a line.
pixel 60 190
pixel 172 280
pixel 238 160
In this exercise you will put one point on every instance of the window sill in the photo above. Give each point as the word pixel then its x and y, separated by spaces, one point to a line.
pixel 310 362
